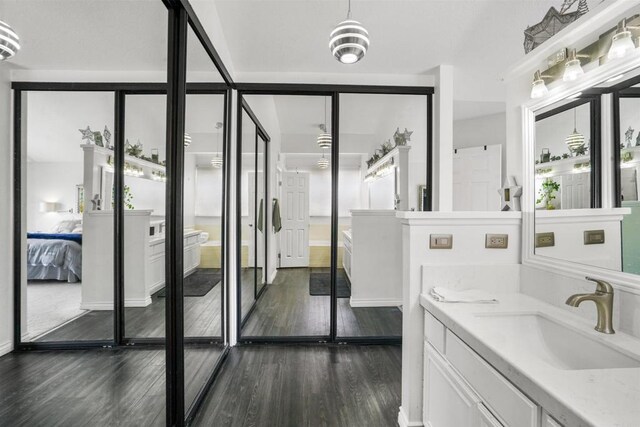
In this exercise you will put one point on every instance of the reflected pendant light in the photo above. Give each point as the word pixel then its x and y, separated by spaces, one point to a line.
pixel 575 141
pixel 216 162
pixel 572 69
pixel 324 139
pixel 622 41
pixel 187 139
pixel 9 41
pixel 349 41
pixel 323 162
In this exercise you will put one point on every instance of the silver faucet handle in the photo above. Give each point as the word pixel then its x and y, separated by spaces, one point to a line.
pixel 602 286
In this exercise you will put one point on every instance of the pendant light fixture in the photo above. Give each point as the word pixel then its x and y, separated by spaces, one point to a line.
pixel 187 139
pixel 349 41
pixel 323 162
pixel 9 41
pixel 538 87
pixel 216 162
pixel 575 141
pixel 572 69
pixel 324 139
pixel 622 41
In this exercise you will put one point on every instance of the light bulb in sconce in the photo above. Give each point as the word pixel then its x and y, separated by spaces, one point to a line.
pixel 572 69
pixel 538 87
pixel 621 42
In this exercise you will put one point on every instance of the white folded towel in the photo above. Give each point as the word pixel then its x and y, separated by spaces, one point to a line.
pixel 468 296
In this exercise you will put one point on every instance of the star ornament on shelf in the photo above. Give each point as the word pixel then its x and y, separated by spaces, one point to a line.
pixel 87 135
pixel 107 137
pixel 407 134
pixel 510 194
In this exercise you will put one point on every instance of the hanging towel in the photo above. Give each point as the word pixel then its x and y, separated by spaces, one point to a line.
pixel 468 296
pixel 260 216
pixel 275 216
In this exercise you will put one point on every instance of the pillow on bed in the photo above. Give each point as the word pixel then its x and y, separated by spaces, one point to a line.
pixel 66 226
pixel 77 230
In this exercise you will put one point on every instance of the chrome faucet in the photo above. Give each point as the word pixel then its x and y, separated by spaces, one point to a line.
pixel 603 298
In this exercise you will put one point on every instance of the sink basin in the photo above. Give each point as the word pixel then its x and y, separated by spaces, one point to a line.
pixel 540 336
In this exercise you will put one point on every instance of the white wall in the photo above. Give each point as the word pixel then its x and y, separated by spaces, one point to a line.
pixel 480 131
pixel 6 218
pixel 53 183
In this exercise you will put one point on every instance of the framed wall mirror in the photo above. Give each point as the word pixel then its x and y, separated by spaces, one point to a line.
pixel 582 165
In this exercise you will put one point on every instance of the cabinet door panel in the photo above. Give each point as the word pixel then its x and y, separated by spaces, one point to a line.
pixel 487 419
pixel 448 402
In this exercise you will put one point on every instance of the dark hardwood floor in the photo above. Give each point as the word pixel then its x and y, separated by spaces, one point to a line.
pixel 287 309
pixel 315 385
pixel 94 388
pixel 202 318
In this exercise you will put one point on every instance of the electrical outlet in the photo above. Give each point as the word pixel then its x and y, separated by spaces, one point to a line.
pixel 545 240
pixel 593 237
pixel 440 241
pixel 496 241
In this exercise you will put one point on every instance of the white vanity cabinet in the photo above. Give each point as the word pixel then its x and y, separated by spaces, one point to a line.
pixel 462 389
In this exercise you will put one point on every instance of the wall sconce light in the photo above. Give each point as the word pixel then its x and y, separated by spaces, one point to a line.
pixel 538 87
pixel 572 69
pixel 621 42
pixel 47 207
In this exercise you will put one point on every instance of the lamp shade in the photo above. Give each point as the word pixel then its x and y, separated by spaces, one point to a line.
pixel 49 207
pixel 349 41
pixel 324 140
pixel 9 41
pixel 216 162
pixel 621 43
pixel 575 141
pixel 538 87
pixel 323 163
pixel 572 69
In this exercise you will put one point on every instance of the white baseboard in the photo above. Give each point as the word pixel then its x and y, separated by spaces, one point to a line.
pixel 403 421
pixel 374 302
pixel 6 348
pixel 155 288
pixel 130 302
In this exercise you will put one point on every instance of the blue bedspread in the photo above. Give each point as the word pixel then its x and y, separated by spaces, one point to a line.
pixel 73 237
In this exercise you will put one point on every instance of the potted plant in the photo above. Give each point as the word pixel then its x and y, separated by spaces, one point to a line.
pixel 547 193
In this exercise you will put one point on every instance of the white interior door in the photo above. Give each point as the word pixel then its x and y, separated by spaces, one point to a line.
pixel 477 177
pixel 294 236
pixel 575 190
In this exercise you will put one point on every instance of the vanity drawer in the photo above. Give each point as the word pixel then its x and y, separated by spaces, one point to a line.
pixel 434 332
pixel 498 393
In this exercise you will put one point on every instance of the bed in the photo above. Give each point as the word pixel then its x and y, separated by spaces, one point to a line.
pixel 56 255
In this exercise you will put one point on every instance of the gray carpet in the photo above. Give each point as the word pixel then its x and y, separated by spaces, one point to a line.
pixel 199 283
pixel 320 284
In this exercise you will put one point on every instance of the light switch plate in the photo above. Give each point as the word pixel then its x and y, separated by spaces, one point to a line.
pixel 593 237
pixel 496 241
pixel 545 240
pixel 440 241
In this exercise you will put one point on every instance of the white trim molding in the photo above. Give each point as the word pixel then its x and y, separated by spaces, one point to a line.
pixel 374 302
pixel 403 421
pixel 6 348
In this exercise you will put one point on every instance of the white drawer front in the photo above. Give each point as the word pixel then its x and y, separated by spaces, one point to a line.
pixel 500 395
pixel 434 332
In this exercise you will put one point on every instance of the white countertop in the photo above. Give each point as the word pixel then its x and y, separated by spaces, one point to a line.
pixel 589 397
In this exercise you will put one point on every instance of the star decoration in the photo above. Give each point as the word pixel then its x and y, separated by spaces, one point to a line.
pixel 628 135
pixel 87 135
pixel 107 137
pixel 510 193
pixel 407 134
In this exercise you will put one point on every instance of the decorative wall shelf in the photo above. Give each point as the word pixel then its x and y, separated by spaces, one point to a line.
pixel 149 170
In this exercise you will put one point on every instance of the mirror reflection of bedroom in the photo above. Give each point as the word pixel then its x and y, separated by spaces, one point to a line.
pixel 374 181
pixel 60 186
